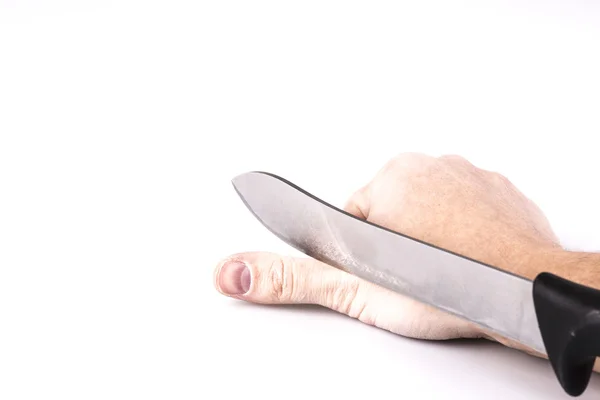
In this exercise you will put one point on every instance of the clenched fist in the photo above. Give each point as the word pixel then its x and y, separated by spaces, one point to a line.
pixel 445 201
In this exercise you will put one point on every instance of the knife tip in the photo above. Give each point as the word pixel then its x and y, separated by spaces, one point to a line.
pixel 236 180
pixel 244 179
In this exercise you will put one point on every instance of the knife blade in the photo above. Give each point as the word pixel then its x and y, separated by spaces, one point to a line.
pixel 529 312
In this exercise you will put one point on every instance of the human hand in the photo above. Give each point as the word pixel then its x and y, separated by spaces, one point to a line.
pixel 445 201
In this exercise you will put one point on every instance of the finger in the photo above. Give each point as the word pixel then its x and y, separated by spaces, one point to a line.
pixel 359 203
pixel 268 278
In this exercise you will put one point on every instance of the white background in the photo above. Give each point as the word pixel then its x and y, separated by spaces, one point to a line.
pixel 122 123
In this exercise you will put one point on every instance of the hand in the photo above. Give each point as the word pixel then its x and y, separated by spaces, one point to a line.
pixel 445 201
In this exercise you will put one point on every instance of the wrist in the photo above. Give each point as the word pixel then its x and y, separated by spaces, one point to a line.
pixel 579 267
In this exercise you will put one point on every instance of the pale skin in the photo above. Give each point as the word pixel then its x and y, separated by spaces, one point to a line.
pixel 446 201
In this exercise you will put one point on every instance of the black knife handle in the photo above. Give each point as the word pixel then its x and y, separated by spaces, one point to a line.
pixel 568 316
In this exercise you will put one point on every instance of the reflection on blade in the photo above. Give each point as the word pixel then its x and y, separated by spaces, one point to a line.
pixel 494 299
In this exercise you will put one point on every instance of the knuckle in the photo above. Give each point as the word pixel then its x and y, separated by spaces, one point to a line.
pixel 458 161
pixel 411 158
pixel 407 162
pixel 498 177
pixel 281 278
pixel 343 296
pixel 453 157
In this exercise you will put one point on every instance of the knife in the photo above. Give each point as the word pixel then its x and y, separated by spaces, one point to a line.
pixel 554 316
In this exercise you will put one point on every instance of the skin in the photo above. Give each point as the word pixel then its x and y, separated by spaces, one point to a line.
pixel 446 201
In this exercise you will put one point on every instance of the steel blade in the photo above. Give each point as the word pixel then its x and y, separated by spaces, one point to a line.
pixel 494 299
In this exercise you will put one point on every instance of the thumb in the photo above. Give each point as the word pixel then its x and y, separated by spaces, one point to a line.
pixel 268 278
